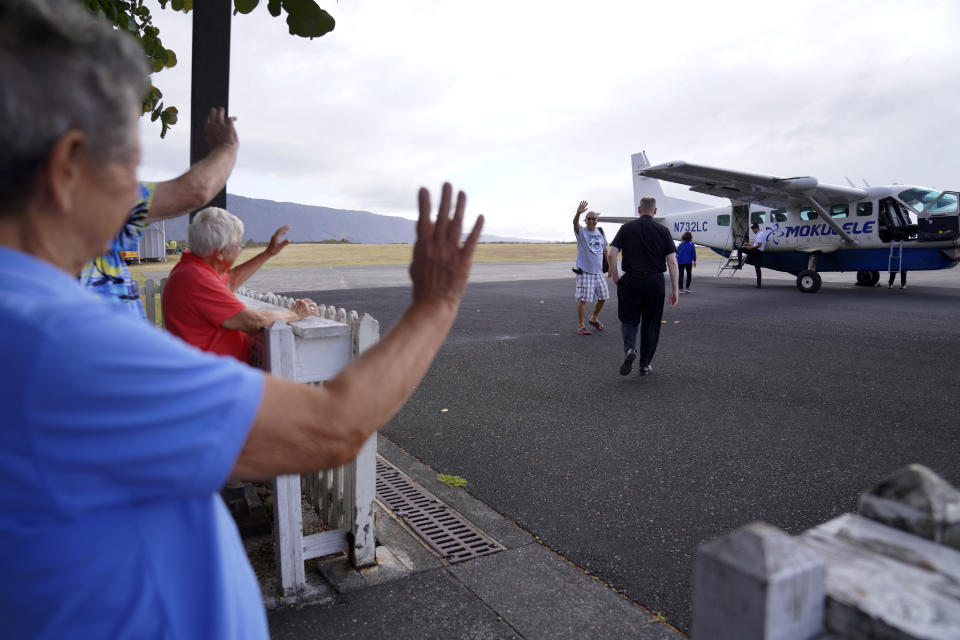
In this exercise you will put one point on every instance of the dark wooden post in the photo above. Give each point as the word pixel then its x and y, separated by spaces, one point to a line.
pixel 210 74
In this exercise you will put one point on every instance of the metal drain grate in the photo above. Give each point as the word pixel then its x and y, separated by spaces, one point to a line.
pixel 455 539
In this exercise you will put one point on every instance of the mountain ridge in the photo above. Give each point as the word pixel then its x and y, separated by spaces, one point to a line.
pixel 309 223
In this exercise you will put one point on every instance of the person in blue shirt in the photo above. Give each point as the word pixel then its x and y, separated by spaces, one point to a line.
pixel 113 525
pixel 686 260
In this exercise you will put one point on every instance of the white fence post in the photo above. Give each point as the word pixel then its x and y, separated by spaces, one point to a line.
pixel 311 351
pixel 364 333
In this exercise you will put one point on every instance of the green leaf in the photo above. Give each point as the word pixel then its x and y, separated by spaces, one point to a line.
pixel 273 6
pixel 176 5
pixel 156 65
pixel 245 6
pixel 306 19
pixel 169 116
pixel 170 58
pixel 452 481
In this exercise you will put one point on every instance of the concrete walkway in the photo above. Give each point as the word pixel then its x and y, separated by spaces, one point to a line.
pixel 525 591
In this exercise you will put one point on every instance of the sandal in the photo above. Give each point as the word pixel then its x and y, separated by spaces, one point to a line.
pixel 583 332
pixel 597 325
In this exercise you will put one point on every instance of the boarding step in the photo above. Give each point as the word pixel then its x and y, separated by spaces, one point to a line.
pixel 730 265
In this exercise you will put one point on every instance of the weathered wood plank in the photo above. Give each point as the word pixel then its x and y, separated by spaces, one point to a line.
pixel 885 583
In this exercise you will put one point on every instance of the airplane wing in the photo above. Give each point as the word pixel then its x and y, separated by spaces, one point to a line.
pixel 741 186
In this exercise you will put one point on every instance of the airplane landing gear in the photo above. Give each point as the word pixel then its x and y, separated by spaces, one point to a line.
pixel 809 281
pixel 868 278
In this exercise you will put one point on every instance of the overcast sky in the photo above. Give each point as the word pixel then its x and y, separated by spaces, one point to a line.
pixel 532 106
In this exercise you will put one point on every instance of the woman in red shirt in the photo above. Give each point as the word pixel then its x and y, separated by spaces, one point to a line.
pixel 199 305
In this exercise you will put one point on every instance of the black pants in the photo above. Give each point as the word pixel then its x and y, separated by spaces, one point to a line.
pixel 903 278
pixel 755 257
pixel 640 302
pixel 688 269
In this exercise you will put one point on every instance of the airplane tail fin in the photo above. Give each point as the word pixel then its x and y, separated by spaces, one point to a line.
pixel 642 185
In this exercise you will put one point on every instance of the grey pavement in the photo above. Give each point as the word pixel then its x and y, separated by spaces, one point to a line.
pixel 765 404
pixel 525 591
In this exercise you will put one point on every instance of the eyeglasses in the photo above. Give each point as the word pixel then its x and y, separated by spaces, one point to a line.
pixel 591 219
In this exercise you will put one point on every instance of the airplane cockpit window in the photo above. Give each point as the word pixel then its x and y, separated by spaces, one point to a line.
pixel 723 220
pixel 756 217
pixel 778 215
pixel 945 205
pixel 839 210
pixel 864 208
pixel 808 213
pixel 917 197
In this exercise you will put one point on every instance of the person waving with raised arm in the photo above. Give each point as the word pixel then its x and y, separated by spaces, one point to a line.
pixel 591 283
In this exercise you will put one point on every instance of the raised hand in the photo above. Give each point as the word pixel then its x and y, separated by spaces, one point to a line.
pixel 582 207
pixel 441 263
pixel 218 129
pixel 276 245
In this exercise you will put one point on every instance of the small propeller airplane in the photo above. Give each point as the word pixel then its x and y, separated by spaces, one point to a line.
pixel 811 227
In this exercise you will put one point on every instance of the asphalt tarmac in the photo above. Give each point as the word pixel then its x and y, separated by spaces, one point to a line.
pixel 764 404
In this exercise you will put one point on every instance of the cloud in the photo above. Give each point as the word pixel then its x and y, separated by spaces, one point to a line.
pixel 531 107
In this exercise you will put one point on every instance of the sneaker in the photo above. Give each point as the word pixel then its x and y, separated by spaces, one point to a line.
pixel 903 286
pixel 687 291
pixel 646 370
pixel 890 286
pixel 681 291
pixel 628 362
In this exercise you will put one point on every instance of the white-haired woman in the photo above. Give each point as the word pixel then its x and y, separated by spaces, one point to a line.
pixel 198 301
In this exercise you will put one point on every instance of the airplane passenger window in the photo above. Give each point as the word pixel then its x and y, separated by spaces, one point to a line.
pixel 778 215
pixel 864 208
pixel 839 210
pixel 756 217
pixel 723 220
pixel 808 214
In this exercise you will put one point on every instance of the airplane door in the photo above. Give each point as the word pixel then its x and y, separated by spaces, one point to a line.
pixel 894 223
pixel 741 224
pixel 941 219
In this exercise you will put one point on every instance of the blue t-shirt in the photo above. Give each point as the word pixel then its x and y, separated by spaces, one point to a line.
pixel 108 275
pixel 112 460
pixel 590 246
pixel 686 253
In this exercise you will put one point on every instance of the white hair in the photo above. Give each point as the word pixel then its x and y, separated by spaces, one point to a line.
pixel 213 229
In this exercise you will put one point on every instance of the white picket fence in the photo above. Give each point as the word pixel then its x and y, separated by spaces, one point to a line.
pixel 312 351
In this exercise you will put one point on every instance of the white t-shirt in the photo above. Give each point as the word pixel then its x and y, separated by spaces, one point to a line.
pixel 760 242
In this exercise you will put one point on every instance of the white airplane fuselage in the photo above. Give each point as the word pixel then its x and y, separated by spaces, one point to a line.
pixel 794 235
pixel 820 227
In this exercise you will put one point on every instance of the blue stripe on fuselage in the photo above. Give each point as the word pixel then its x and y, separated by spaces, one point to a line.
pixel 921 259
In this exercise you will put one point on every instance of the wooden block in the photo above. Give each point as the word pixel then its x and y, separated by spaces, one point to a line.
pixel 757 583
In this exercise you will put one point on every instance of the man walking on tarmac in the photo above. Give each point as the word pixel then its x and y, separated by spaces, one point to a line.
pixel 648 251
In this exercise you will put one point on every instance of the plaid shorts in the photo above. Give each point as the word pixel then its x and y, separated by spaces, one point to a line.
pixel 592 286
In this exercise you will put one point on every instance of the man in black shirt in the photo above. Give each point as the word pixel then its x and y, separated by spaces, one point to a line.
pixel 648 251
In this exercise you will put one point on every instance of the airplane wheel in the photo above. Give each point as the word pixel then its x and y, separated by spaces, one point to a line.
pixel 868 278
pixel 809 281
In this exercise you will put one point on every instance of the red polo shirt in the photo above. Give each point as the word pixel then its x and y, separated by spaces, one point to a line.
pixel 196 301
